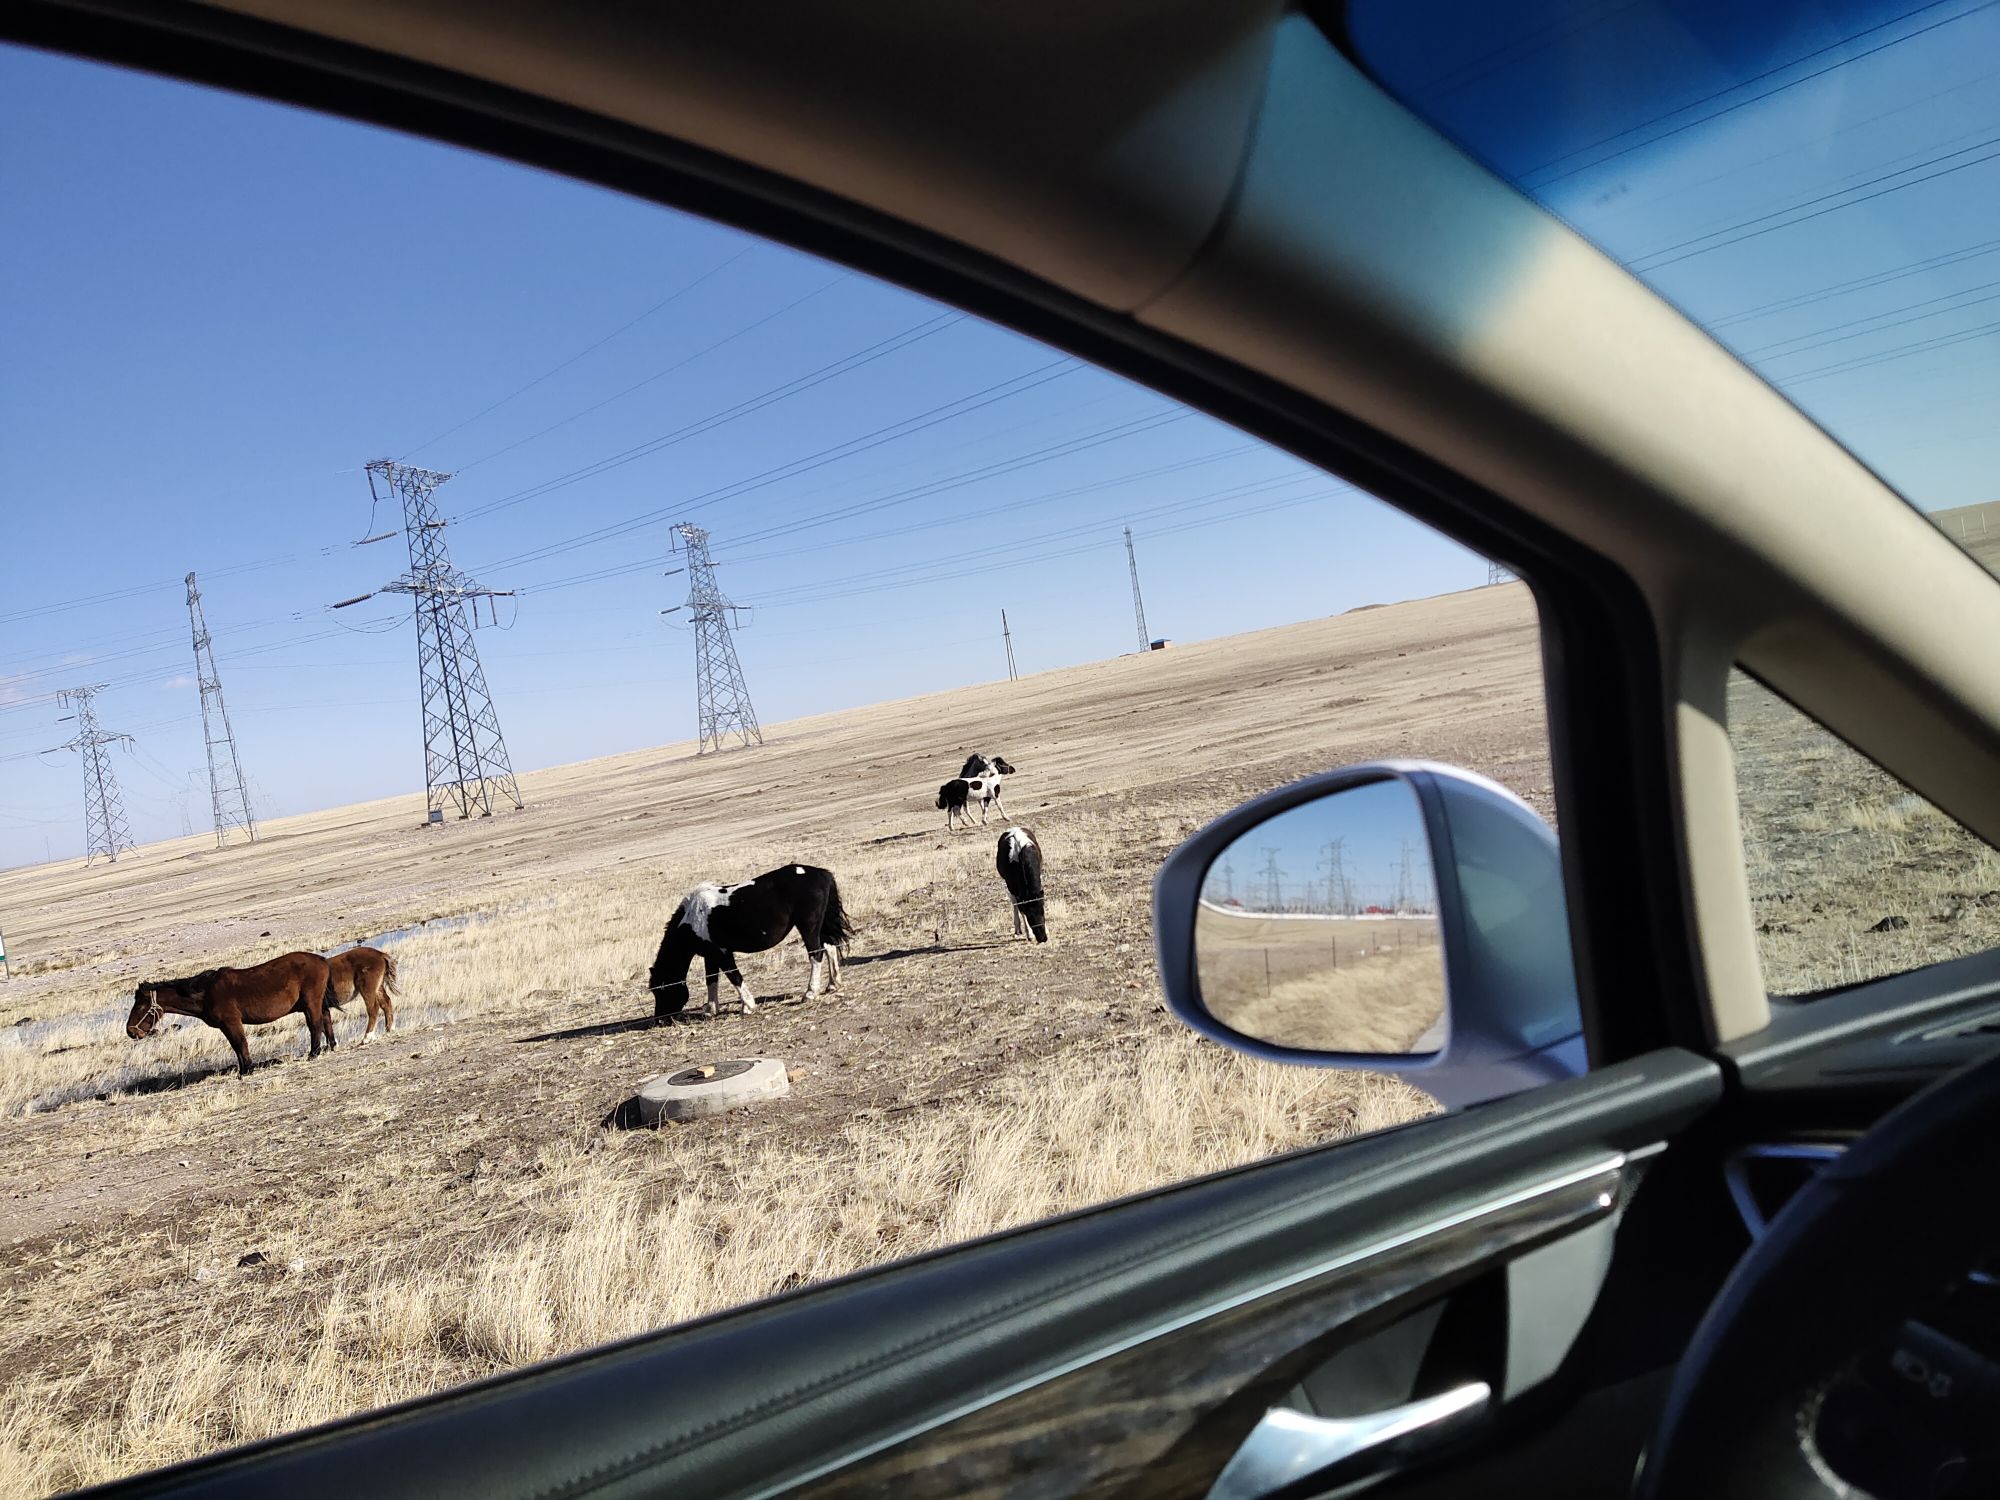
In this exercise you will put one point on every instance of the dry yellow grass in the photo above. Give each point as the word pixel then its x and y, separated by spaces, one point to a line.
pixel 609 1254
pixel 454 1196
pixel 1346 986
pixel 1852 876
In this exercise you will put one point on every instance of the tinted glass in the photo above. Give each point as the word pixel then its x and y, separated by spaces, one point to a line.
pixel 1817 184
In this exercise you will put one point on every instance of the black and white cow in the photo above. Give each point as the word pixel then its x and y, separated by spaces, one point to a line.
pixel 978 783
pixel 1019 860
pixel 716 922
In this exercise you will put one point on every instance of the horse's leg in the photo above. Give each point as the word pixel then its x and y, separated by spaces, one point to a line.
pixel 714 981
pixel 388 1005
pixel 833 966
pixel 231 1025
pixel 998 803
pixel 736 978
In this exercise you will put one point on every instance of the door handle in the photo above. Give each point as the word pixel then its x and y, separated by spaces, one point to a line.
pixel 1287 1446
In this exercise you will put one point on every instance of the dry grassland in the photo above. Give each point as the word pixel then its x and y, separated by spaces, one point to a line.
pixel 457 1200
pixel 1852 876
pixel 1346 986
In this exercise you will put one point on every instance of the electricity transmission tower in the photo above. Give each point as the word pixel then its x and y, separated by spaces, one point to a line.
pixel 1336 875
pixel 104 828
pixel 1228 880
pixel 1138 604
pixel 465 758
pixel 1496 573
pixel 1274 885
pixel 228 796
pixel 1403 880
pixel 723 698
pixel 1013 673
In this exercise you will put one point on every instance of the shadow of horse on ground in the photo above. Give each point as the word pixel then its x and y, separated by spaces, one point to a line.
pixel 583 1033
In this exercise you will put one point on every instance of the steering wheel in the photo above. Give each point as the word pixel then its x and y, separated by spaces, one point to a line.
pixel 1822 1307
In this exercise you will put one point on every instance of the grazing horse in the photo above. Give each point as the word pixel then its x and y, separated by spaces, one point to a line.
pixel 1019 860
pixel 956 796
pixel 717 922
pixel 369 973
pixel 226 998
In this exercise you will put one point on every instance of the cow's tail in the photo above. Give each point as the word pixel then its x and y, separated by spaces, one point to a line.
pixel 834 927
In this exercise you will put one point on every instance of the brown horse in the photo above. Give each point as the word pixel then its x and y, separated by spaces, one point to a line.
pixel 226 998
pixel 369 973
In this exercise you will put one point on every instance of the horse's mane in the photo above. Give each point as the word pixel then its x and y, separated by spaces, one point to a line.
pixel 197 982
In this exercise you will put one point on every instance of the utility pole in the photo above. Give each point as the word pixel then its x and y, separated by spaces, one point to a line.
pixel 1274 885
pixel 1013 674
pixel 229 800
pixel 465 758
pixel 722 697
pixel 104 828
pixel 1138 604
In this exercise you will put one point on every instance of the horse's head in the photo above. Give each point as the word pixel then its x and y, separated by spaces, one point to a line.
pixel 1000 765
pixel 668 979
pixel 146 1010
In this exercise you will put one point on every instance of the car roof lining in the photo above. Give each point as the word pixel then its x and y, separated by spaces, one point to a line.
pixel 1199 176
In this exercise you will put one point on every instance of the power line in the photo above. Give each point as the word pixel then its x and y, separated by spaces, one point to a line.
pixel 842 366
pixel 1743 83
pixel 964 405
pixel 679 364
pixel 549 374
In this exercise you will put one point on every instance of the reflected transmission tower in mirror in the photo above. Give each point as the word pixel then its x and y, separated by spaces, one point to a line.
pixel 723 698
pixel 466 768
pixel 228 793
pixel 104 828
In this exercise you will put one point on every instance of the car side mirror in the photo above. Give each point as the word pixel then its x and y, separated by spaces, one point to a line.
pixel 1399 916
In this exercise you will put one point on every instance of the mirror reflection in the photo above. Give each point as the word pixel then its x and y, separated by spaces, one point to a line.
pixel 1318 928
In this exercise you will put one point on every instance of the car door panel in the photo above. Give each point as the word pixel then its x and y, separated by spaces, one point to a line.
pixel 1163 1303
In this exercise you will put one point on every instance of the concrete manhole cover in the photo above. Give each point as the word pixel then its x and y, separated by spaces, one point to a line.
pixel 712 1088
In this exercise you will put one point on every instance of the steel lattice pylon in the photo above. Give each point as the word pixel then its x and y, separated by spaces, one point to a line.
pixel 228 793
pixel 724 697
pixel 104 828
pixel 1138 604
pixel 465 758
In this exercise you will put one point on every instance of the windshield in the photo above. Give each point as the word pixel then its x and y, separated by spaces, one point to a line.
pixel 1818 185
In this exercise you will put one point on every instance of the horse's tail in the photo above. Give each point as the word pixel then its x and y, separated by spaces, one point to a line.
pixel 389 974
pixel 834 927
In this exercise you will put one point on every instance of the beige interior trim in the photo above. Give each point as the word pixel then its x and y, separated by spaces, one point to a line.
pixel 1362 260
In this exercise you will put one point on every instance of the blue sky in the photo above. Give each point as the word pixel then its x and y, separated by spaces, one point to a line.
pixel 217 310
pixel 1372 824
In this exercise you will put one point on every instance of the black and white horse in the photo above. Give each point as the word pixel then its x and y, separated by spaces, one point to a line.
pixel 1019 860
pixel 716 922
pixel 978 783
